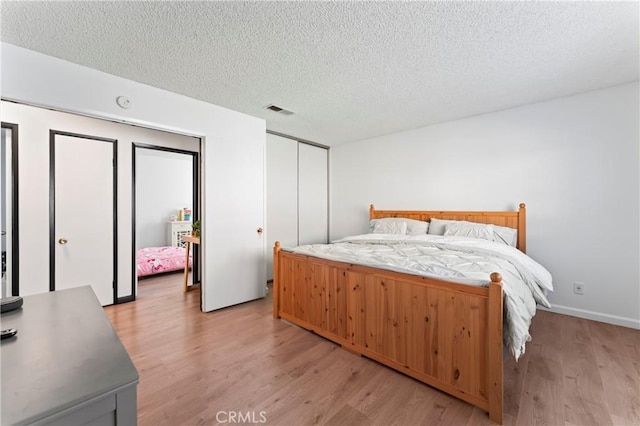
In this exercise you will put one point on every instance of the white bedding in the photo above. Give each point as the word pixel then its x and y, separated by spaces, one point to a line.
pixel 458 259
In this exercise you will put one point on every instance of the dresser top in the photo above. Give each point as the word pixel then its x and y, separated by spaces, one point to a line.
pixel 65 352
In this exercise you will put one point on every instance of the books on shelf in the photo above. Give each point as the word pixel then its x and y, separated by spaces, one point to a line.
pixel 184 214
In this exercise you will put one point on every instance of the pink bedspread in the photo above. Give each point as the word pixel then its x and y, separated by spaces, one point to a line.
pixel 155 260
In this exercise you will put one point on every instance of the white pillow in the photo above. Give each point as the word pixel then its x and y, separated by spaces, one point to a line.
pixel 436 226
pixel 471 230
pixel 390 227
pixel 501 234
pixel 414 227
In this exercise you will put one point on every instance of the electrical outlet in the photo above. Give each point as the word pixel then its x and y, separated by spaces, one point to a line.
pixel 578 288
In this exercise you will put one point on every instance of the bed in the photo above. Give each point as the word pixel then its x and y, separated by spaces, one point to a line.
pixel 157 260
pixel 445 332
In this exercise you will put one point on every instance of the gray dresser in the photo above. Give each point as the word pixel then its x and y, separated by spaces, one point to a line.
pixel 66 365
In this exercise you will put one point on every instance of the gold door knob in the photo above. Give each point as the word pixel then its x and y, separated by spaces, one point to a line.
pixel 63 241
pixel 259 230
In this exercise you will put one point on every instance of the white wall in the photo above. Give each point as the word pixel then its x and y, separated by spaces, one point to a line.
pixel 164 183
pixel 232 157
pixel 574 161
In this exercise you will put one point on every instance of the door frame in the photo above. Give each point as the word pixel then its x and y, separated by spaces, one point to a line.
pixel 15 250
pixel 195 187
pixel 52 205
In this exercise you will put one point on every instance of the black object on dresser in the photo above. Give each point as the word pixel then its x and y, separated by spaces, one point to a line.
pixel 10 303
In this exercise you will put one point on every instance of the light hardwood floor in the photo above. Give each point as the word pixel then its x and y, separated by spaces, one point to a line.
pixel 202 369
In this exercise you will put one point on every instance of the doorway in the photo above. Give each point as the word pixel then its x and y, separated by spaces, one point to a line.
pixel 166 202
pixel 9 194
pixel 36 236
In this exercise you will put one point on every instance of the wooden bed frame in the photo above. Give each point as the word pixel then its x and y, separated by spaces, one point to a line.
pixel 444 334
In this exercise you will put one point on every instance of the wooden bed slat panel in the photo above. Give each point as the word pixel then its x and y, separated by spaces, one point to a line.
pixel 355 309
pixel 300 291
pixel 317 287
pixel 337 305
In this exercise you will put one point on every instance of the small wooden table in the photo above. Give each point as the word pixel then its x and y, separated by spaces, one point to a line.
pixel 188 239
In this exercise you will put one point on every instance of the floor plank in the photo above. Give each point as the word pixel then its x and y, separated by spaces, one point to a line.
pixel 617 370
pixel 583 393
pixel 202 368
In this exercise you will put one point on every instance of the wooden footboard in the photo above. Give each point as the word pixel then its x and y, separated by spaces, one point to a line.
pixel 444 334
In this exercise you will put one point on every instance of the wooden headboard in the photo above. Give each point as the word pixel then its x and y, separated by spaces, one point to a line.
pixel 516 220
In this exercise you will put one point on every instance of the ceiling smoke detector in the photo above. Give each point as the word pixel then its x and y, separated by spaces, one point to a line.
pixel 277 109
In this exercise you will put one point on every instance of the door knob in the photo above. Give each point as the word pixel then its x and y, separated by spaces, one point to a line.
pixel 63 241
pixel 259 230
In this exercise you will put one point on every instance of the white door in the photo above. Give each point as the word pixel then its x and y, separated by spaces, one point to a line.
pixel 235 271
pixel 282 195
pixel 313 193
pixel 82 238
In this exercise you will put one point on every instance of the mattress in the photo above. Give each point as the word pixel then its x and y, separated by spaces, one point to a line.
pixel 156 260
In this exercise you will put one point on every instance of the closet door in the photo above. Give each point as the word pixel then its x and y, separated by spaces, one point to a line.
pixel 82 214
pixel 313 192
pixel 282 195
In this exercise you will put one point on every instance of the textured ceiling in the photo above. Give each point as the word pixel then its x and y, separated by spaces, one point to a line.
pixel 348 70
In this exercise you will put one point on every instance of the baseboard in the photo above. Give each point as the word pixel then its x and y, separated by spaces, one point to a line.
pixel 596 316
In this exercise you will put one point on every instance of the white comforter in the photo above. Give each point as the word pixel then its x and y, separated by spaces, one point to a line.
pixel 458 259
